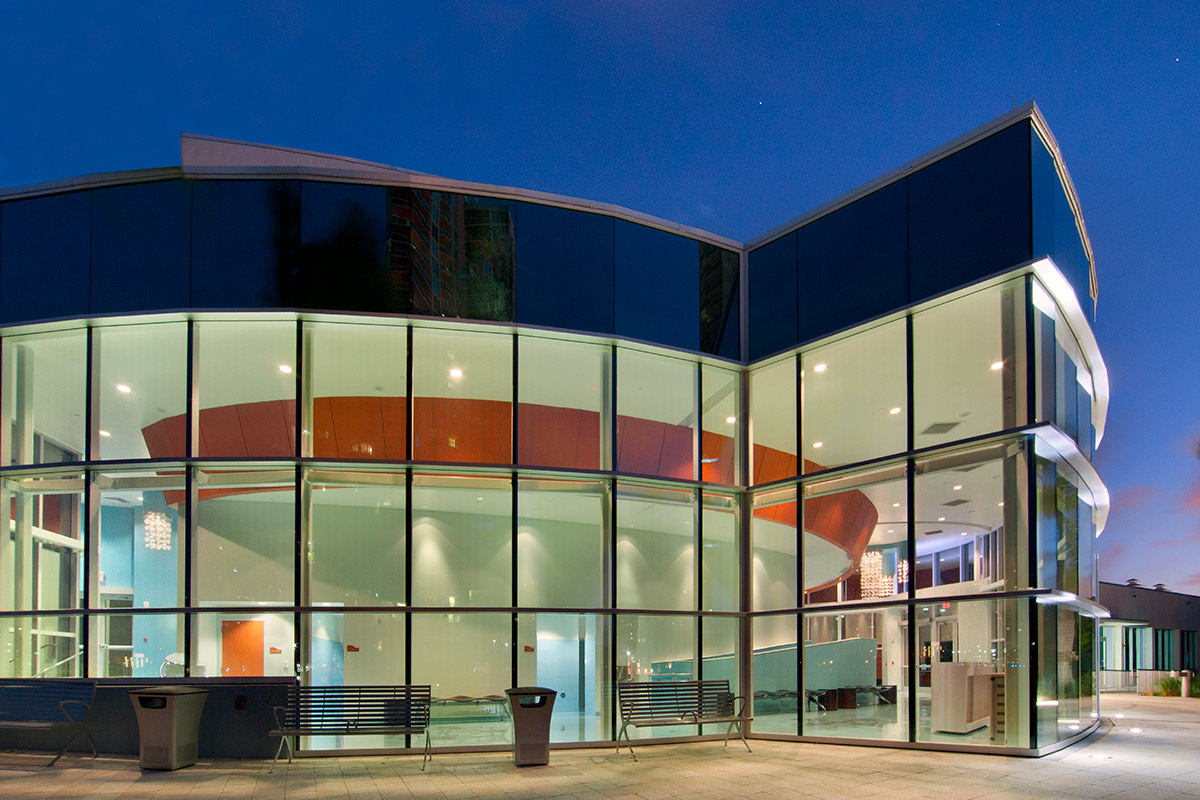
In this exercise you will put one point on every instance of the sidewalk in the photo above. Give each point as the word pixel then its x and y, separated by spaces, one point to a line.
pixel 1148 749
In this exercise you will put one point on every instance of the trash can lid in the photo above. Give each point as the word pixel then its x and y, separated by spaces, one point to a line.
pixel 522 691
pixel 169 690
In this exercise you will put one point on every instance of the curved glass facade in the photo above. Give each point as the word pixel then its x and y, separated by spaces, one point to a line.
pixel 470 467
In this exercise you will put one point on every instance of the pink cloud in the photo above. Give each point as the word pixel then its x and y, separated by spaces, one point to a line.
pixel 1134 497
pixel 1191 580
pixel 1191 499
pixel 1113 553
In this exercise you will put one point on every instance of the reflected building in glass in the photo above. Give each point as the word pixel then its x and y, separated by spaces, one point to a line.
pixel 277 414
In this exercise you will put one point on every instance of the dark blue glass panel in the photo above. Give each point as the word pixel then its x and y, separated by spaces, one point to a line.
pixel 564 268
pixel 853 263
pixel 451 255
pixel 969 214
pixel 45 256
pixel 339 263
pixel 141 243
pixel 657 286
pixel 1054 231
pixel 720 310
pixel 773 289
pixel 244 234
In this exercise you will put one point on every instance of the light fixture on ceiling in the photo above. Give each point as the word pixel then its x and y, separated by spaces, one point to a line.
pixel 820 367
pixel 123 389
pixel 286 369
pixel 895 505
pixel 731 420
pixel 158 530
pixel 997 366
pixel 455 372
pixel 941 519
pixel 895 410
pixel 105 434
pixel 958 487
pixel 818 444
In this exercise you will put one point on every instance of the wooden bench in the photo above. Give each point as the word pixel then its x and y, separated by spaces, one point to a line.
pixel 352 711
pixel 47 705
pixel 680 703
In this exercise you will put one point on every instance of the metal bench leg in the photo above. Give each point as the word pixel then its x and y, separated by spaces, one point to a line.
pixel 283 740
pixel 62 752
pixel 428 754
pixel 741 732
pixel 624 730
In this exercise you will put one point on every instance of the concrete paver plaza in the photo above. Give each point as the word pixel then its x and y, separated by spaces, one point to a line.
pixel 1148 748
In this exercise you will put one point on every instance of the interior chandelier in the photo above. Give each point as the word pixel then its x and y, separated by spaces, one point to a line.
pixel 158 530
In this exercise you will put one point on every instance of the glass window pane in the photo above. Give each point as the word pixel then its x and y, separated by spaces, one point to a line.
pixel 974 498
pixel 46 646
pixel 773 564
pixel 140 548
pixel 569 653
pixel 564 414
pixel 245 545
pixel 969 366
pixel 462 396
pixel 855 669
pixel 719 418
pixel 562 546
pixel 776 676
pixel 856 537
pixel 43 397
pixel 359 379
pixel 973 657
pixel 855 398
pixel 142 391
pixel 42 237
pixel 356 538
pixel 466 658
pixel 656 548
pixel 666 309
pixel 462 541
pixel 656 415
pixel 247 387
pixel 719 584
pixel 227 645
pixel 720 661
pixel 720 312
pixel 136 645
pixel 774 297
pixel 656 648
pixel 773 422
pixel 41 556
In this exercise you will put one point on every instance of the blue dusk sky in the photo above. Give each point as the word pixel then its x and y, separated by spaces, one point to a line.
pixel 732 117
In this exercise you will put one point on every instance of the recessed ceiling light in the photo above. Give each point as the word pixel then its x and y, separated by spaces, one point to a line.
pixel 964 533
pixel 285 369
pixel 895 505
pixel 941 519
pixel 997 366
pixel 123 389
pixel 958 487
pixel 731 420
pixel 818 444
pixel 105 433
pixel 891 530
pixel 1001 504
pixel 455 372
pixel 895 410
pixel 820 367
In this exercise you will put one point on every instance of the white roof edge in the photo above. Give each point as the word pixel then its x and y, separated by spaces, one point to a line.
pixel 96 180
pixel 1069 452
pixel 212 157
pixel 1029 110
pixel 1068 302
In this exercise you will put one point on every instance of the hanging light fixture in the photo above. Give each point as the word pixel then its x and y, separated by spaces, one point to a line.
pixel 158 530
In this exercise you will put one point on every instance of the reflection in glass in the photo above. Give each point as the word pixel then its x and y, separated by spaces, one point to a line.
pixel 562 546
pixel 856 537
pixel 358 397
pixel 568 653
pixel 720 660
pixel 468 669
pixel 656 415
pixel 855 669
pixel 719 419
pixel 41 556
pixel 563 414
pixel 719 312
pixel 973 672
pixel 773 564
pixel 773 422
pixel 775 672
pixel 355 538
pixel 657 648
pixel 247 387
pixel 855 394
pixel 462 541
pixel 972 508
pixel 41 647
pixel 719 584
pixel 135 645
pixel 245 545
pixel 656 552
pixel 142 390
pixel 462 396
pixel 969 371
pixel 43 398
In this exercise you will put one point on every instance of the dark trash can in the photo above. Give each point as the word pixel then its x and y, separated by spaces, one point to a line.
pixel 168 720
pixel 531 708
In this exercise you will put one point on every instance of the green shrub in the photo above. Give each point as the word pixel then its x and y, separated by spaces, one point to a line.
pixel 1171 687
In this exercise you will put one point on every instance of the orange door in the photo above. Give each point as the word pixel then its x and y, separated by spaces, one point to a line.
pixel 241 648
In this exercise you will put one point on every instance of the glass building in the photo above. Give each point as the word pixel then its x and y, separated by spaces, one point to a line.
pixel 273 413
